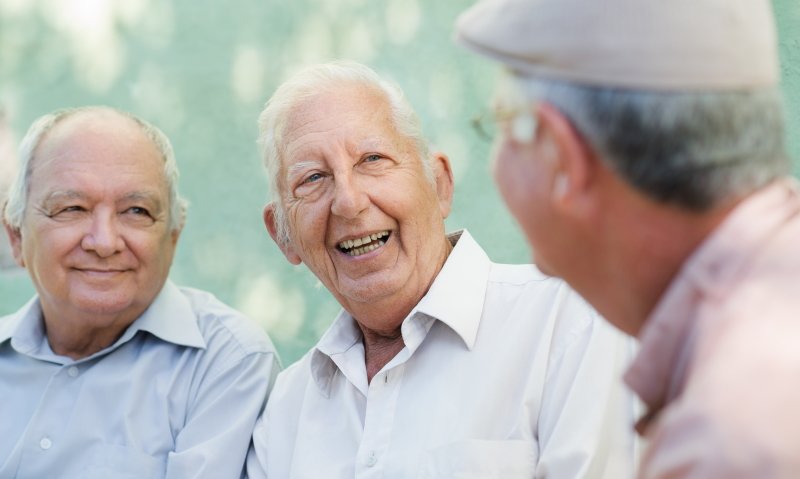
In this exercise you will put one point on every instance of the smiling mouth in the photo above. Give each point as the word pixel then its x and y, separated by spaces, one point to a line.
pixel 364 245
pixel 100 271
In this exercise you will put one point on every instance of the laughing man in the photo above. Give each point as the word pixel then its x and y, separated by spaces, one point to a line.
pixel 441 363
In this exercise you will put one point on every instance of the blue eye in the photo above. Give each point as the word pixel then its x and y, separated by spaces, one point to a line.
pixel 137 210
pixel 372 158
pixel 312 178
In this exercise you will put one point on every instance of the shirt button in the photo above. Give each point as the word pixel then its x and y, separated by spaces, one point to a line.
pixel 73 372
pixel 372 459
pixel 45 443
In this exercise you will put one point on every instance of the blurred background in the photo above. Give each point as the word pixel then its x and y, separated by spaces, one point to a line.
pixel 202 70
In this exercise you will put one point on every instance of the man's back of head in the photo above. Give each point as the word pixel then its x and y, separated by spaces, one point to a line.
pixel 657 186
pixel 685 123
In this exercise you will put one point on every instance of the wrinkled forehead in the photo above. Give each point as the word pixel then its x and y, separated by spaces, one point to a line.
pixel 339 101
pixel 98 140
pixel 353 117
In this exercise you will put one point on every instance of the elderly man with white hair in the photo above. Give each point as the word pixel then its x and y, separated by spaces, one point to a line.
pixel 111 370
pixel 644 158
pixel 441 362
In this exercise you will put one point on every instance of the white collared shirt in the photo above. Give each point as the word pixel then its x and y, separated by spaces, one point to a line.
pixel 175 396
pixel 505 374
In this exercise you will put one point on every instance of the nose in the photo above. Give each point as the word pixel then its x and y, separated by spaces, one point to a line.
pixel 349 197
pixel 103 238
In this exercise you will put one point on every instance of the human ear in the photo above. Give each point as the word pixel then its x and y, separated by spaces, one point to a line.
pixel 570 158
pixel 175 234
pixel 443 176
pixel 272 227
pixel 15 240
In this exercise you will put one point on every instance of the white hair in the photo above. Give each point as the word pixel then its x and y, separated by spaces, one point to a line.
pixel 18 193
pixel 309 82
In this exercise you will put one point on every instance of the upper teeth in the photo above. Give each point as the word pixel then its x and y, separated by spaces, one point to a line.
pixel 361 244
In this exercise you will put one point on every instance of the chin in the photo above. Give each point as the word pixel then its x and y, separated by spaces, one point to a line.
pixel 104 305
pixel 546 270
pixel 365 295
pixel 370 290
pixel 106 309
pixel 542 265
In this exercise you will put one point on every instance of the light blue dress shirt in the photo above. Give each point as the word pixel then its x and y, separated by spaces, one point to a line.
pixel 175 396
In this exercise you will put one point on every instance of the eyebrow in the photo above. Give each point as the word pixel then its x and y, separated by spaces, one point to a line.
pixel 143 196
pixel 134 196
pixel 363 145
pixel 300 166
pixel 60 195
pixel 140 195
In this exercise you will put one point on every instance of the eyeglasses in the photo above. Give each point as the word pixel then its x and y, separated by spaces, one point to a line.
pixel 488 124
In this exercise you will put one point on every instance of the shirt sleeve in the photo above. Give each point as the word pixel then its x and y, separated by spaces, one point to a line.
pixel 256 456
pixel 585 423
pixel 276 430
pixel 215 438
pixel 736 416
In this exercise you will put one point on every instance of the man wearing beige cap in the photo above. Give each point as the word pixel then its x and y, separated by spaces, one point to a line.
pixel 642 152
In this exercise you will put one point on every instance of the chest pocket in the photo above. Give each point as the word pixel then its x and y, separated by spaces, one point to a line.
pixel 480 459
pixel 120 462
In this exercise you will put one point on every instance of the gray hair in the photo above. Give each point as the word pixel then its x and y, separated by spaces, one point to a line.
pixel 308 83
pixel 18 193
pixel 691 149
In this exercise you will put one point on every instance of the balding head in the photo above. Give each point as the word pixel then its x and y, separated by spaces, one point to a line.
pixel 39 130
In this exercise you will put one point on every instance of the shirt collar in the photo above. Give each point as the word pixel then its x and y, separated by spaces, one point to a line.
pixel 24 328
pixel 342 335
pixel 457 294
pixel 170 317
pixel 657 373
pixel 455 298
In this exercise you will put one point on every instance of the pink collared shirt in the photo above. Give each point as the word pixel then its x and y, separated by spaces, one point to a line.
pixel 720 355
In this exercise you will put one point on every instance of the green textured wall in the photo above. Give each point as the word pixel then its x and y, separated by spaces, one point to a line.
pixel 788 19
pixel 202 70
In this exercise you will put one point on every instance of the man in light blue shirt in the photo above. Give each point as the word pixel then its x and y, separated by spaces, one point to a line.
pixel 112 371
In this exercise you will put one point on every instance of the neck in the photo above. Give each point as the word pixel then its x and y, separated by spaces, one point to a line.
pixel 380 348
pixel 380 319
pixel 81 338
pixel 645 245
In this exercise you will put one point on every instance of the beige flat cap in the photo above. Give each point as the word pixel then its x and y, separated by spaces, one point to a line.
pixel 639 44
